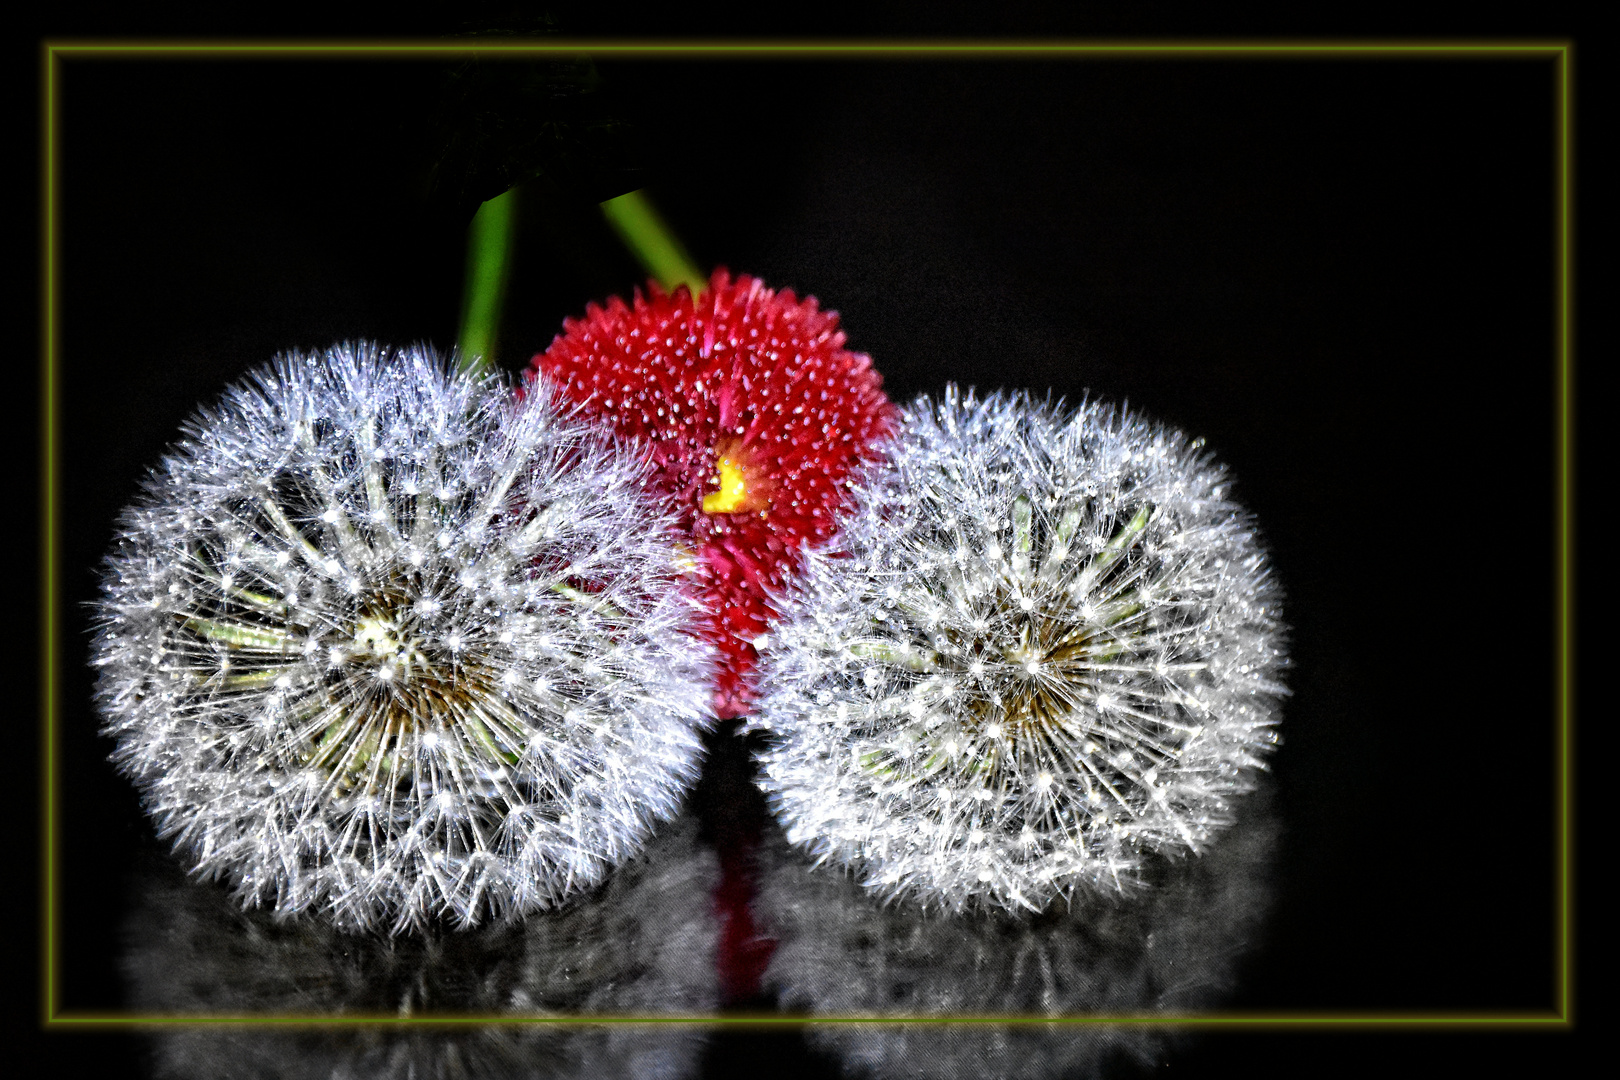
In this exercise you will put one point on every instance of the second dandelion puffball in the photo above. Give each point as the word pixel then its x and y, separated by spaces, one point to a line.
pixel 384 642
pixel 1045 647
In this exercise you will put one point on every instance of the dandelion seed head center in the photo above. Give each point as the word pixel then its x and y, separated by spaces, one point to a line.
pixel 1044 660
pixel 380 681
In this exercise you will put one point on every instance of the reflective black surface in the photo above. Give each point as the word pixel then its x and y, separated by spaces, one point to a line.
pixel 1338 273
pixel 641 944
pixel 1176 948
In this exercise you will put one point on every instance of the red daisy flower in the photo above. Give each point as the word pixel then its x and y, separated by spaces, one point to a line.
pixel 754 413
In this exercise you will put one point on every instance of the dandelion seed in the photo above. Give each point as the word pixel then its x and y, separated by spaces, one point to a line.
pixel 1118 638
pixel 361 753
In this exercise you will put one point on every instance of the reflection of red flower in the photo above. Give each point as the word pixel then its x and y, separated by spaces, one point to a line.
pixel 754 413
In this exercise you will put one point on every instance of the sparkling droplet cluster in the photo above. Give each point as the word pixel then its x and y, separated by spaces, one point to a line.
pixel 1044 646
pixel 381 641
pixel 753 412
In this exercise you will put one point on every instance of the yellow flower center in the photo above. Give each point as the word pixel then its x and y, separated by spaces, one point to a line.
pixel 732 495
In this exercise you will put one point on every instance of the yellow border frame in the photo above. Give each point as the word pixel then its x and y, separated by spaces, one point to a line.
pixel 1560 52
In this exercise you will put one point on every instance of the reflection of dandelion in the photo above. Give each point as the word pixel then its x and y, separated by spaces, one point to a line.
pixel 753 413
pixel 1174 949
pixel 378 642
pixel 1043 645
pixel 641 944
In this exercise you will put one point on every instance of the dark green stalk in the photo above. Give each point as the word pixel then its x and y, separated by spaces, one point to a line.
pixel 652 242
pixel 489 264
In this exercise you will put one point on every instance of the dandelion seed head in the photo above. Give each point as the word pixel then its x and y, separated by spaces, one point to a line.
pixel 1109 616
pixel 358 752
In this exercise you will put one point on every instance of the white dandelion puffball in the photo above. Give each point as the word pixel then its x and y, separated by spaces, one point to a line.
pixel 1044 646
pixel 387 643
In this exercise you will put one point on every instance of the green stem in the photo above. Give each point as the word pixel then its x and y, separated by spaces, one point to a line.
pixel 652 242
pixel 489 264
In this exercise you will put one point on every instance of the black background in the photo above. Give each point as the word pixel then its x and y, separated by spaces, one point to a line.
pixel 1340 273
